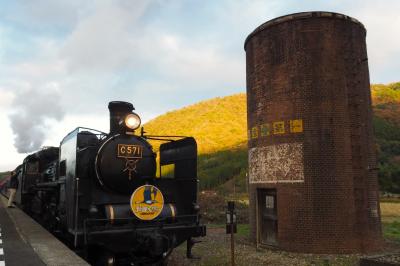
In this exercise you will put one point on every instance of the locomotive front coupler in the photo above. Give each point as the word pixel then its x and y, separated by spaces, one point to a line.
pixel 152 245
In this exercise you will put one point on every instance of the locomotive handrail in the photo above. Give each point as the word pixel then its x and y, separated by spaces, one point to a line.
pixel 163 138
pixel 91 129
pixel 160 223
pixel 79 130
pixel 137 219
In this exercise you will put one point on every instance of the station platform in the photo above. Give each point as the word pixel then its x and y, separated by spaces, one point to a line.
pixel 25 242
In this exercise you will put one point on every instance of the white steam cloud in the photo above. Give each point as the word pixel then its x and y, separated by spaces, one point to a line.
pixel 34 110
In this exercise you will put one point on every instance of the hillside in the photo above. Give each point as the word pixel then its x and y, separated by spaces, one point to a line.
pixel 386 104
pixel 219 126
pixel 3 176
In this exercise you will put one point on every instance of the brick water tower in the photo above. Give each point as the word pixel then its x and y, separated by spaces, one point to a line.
pixel 312 162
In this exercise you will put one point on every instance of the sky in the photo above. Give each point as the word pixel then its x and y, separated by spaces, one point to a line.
pixel 62 61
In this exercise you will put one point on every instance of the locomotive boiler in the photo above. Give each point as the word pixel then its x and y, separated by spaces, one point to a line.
pixel 102 194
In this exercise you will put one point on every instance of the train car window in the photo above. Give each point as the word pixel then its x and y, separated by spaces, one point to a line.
pixel 32 167
pixel 63 168
pixel 167 171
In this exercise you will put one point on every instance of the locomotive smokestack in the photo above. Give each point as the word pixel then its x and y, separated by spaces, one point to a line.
pixel 118 111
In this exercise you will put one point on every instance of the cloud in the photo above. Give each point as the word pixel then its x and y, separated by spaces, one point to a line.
pixel 6 98
pixel 43 16
pixel 33 110
pixel 187 65
pixel 104 40
pixel 116 39
pixel 117 52
pixel 382 21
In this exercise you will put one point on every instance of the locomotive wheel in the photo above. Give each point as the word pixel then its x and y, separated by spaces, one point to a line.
pixel 162 263
pixel 98 256
pixel 156 261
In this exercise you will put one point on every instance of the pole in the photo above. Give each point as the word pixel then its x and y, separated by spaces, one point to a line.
pixel 76 213
pixel 232 242
pixel 234 188
pixel 230 227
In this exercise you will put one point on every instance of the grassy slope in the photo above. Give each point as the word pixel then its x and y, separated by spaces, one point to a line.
pixel 386 103
pixel 217 124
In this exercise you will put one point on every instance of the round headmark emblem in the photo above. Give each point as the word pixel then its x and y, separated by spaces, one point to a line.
pixel 147 202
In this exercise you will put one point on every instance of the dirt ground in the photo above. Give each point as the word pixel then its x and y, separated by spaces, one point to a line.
pixel 215 250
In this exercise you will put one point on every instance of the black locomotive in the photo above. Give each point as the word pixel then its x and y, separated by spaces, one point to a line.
pixel 103 195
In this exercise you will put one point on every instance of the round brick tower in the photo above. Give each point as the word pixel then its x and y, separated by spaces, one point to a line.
pixel 312 162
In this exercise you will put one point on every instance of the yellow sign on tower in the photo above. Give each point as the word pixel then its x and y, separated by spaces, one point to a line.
pixel 296 126
pixel 254 132
pixel 147 202
pixel 278 127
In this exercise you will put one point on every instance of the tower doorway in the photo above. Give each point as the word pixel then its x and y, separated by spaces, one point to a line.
pixel 267 217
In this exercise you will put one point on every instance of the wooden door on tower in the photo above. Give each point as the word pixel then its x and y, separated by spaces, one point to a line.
pixel 268 219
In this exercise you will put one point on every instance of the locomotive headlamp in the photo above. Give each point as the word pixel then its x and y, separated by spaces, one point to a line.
pixel 132 121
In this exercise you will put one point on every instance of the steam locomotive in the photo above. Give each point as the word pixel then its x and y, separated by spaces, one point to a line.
pixel 102 194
